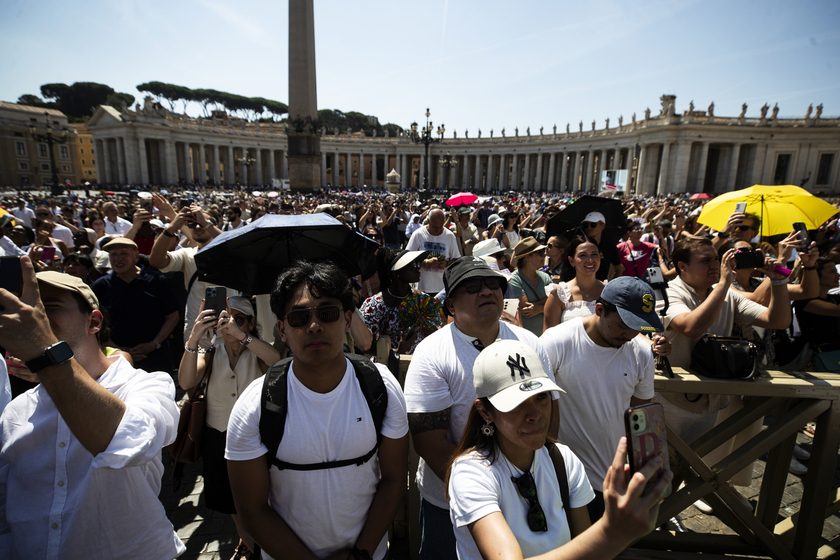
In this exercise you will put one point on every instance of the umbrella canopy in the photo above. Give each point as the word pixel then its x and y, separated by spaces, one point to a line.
pixel 701 196
pixel 461 198
pixel 250 258
pixel 568 220
pixel 778 207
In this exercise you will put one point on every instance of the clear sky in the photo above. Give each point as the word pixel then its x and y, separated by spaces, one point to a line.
pixel 484 64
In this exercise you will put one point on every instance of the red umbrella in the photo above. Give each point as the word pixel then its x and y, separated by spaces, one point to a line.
pixel 701 196
pixel 110 193
pixel 461 199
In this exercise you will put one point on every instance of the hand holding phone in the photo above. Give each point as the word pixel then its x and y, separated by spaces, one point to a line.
pixel 215 298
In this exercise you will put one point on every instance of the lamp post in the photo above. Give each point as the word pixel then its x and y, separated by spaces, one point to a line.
pixel 49 139
pixel 424 136
pixel 247 162
pixel 448 162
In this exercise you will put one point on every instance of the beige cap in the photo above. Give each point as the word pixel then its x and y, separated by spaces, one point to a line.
pixel 68 282
pixel 119 242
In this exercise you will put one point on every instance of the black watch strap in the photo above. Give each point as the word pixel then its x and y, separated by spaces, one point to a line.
pixel 56 354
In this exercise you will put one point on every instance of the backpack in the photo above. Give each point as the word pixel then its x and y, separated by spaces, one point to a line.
pixel 274 403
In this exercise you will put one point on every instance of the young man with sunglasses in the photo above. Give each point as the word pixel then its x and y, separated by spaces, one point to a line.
pixel 439 389
pixel 341 512
pixel 233 217
pixel 738 226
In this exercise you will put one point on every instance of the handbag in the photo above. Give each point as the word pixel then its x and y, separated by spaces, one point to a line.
pixel 826 358
pixel 725 357
pixel 187 445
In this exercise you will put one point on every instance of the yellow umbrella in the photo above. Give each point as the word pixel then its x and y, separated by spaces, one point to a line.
pixel 778 207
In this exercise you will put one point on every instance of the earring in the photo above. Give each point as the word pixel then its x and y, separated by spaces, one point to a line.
pixel 487 429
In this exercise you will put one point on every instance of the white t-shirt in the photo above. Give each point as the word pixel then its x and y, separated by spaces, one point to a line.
pixel 326 508
pixel 117 228
pixel 445 245
pixel 440 377
pixel 25 214
pixel 599 383
pixel 63 233
pixel 478 488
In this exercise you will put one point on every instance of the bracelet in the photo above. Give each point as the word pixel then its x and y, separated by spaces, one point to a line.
pixel 809 267
pixel 167 234
pixel 780 281
pixel 246 341
pixel 198 350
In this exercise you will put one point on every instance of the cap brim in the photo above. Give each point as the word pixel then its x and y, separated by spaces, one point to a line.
pixel 511 397
pixel 407 258
pixel 644 322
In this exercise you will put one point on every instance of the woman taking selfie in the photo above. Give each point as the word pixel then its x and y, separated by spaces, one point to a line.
pixel 504 492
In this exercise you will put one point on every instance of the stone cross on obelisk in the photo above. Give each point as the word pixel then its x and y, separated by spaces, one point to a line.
pixel 304 152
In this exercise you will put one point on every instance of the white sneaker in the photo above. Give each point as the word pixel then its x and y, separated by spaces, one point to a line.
pixel 796 467
pixel 800 453
pixel 704 507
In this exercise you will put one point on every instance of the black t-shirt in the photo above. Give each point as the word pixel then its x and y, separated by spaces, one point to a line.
pixel 610 256
pixel 391 234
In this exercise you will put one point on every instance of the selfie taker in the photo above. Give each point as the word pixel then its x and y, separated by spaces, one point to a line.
pixel 514 491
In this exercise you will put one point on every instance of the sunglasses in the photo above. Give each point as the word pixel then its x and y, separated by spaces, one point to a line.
pixel 528 490
pixel 590 224
pixel 43 214
pixel 744 228
pixel 193 225
pixel 302 317
pixel 240 320
pixel 474 286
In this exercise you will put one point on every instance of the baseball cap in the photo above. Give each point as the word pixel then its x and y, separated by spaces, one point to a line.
pixel 509 372
pixel 71 283
pixel 595 217
pixel 464 211
pixel 635 301
pixel 242 305
pixel 468 267
pixel 404 258
pixel 119 242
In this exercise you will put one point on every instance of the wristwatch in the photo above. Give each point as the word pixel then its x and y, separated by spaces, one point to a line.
pixel 360 554
pixel 56 354
pixel 156 343
pixel 723 235
pixel 246 341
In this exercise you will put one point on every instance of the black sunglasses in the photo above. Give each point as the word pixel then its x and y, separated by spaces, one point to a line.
pixel 528 490
pixel 302 317
pixel 589 224
pixel 193 225
pixel 240 320
pixel 474 286
pixel 744 228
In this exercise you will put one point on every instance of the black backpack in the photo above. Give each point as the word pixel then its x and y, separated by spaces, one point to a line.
pixel 274 403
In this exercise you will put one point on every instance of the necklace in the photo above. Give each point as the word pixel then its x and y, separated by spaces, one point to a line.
pixel 395 296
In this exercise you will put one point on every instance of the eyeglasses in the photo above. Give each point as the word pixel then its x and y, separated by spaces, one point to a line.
pixel 302 317
pixel 528 490
pixel 743 228
pixel 588 225
pixel 193 225
pixel 474 286
pixel 552 246
pixel 636 229
pixel 43 214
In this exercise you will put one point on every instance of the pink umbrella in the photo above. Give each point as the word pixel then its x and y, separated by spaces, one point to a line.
pixel 461 199
pixel 701 196
pixel 273 194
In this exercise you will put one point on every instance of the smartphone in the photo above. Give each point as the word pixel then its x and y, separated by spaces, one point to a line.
pixel 804 238
pixel 655 275
pixel 215 298
pixel 10 276
pixel 183 203
pixel 748 258
pixel 510 306
pixel 48 255
pixel 741 207
pixel 645 429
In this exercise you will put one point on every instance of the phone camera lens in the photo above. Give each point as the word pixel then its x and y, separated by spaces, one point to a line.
pixel 636 427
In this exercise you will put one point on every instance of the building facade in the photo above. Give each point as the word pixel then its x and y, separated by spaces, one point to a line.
pixel 25 162
pixel 695 151
pixel 85 154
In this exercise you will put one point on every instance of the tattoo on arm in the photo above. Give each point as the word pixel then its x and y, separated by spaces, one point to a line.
pixel 424 421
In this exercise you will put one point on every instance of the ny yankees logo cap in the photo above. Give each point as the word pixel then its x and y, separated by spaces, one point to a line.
pixel 635 302
pixel 509 372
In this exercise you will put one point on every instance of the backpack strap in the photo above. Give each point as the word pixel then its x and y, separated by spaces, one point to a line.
pixel 274 405
pixel 562 479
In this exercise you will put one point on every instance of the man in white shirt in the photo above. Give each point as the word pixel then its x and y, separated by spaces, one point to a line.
pixel 24 213
pixel 439 390
pixel 59 231
pixel 309 508
pixel 80 462
pixel 114 225
pixel 605 367
pixel 442 246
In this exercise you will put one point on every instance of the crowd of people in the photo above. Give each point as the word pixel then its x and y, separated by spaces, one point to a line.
pixel 526 343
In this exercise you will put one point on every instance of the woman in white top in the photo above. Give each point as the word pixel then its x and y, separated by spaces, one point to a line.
pixel 503 490
pixel 575 294
pixel 238 358
pixel 508 235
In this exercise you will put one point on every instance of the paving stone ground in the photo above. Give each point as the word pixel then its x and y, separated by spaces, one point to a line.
pixel 212 536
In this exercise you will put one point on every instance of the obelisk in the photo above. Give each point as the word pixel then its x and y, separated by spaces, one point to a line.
pixel 304 153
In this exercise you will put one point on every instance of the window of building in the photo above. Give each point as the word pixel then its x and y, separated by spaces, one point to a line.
pixel 81 150
pixel 23 166
pixel 780 177
pixel 824 169
pixel 91 150
pixel 93 162
pixel 42 150
pixel 83 161
pixel 64 152
pixel 65 168
pixel 45 167
pixel 20 149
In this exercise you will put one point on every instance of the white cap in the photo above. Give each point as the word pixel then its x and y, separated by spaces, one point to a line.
pixel 509 372
pixel 595 217
pixel 487 247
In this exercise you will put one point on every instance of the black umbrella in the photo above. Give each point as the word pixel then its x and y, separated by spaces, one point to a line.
pixel 568 221
pixel 250 258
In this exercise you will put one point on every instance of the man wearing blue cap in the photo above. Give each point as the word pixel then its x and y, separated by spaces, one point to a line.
pixel 604 366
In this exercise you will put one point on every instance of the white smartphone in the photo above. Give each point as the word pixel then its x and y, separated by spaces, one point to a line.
pixel 655 275
pixel 511 305
pixel 741 207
